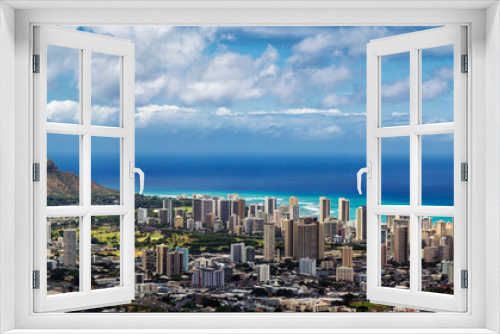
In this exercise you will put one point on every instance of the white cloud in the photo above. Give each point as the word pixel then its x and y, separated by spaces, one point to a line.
pixel 67 111
pixel 353 40
pixel 105 79
pixel 105 115
pixel 157 115
pixel 225 78
pixel 433 88
pixel 224 112
pixel 63 111
pixel 329 76
pixel 317 133
pixel 299 123
pixel 396 91
pixel 399 114
pixel 298 111
pixel 335 100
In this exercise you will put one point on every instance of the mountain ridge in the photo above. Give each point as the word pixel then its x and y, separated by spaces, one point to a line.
pixel 66 184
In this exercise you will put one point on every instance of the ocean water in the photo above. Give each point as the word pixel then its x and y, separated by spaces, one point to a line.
pixel 255 176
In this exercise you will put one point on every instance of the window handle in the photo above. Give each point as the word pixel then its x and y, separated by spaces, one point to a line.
pixel 139 171
pixel 368 171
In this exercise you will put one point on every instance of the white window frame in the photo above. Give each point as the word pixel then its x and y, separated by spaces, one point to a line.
pixel 86 44
pixel 413 43
pixel 482 19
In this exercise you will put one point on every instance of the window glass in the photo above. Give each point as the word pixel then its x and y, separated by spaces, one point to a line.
pixel 105 171
pixel 395 251
pixel 63 255
pixel 437 169
pixel 437 254
pixel 105 252
pixel 437 84
pixel 395 89
pixel 395 183
pixel 106 80
pixel 63 170
pixel 63 85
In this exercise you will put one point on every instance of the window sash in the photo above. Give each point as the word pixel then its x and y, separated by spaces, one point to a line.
pixel 413 43
pixel 86 43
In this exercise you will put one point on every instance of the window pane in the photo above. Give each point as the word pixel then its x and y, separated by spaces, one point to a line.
pixel 63 169
pixel 63 255
pixel 437 84
pixel 105 171
pixel 395 91
pixel 395 171
pixel 105 252
pixel 395 251
pixel 437 170
pixel 63 85
pixel 105 90
pixel 437 254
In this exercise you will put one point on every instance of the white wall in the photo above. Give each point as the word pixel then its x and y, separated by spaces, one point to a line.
pixel 7 157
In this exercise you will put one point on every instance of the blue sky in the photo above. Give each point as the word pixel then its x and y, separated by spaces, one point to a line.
pixel 273 90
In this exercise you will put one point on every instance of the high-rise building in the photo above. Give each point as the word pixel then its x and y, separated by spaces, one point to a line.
pixel 185 257
pixel 447 268
pixel 448 230
pixel 361 223
pixel 234 222
pixel 345 274
pixel 178 212
pixel 431 254
pixel 308 239
pixel 343 210
pixel 383 233
pixel 149 260
pixel 197 209
pixel 233 197
pixel 249 254
pixel 209 221
pixel 383 255
pixel 289 238
pixel 270 203
pixel 331 227
pixel 161 259
pixel 218 225
pixel 238 253
pixel 401 247
pixel 163 217
pixel 208 278
pixel 241 208
pixel 269 240
pixel 216 205
pixel 169 263
pixel 294 212
pixel 224 210
pixel 252 210
pixel 324 209
pixel 49 232
pixel 293 201
pixel 168 204
pixel 207 206
pixel 347 256
pixel 307 266
pixel 426 223
pixel 190 224
pixel 179 222
pixel 263 273
pixel 390 222
pixel 69 248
